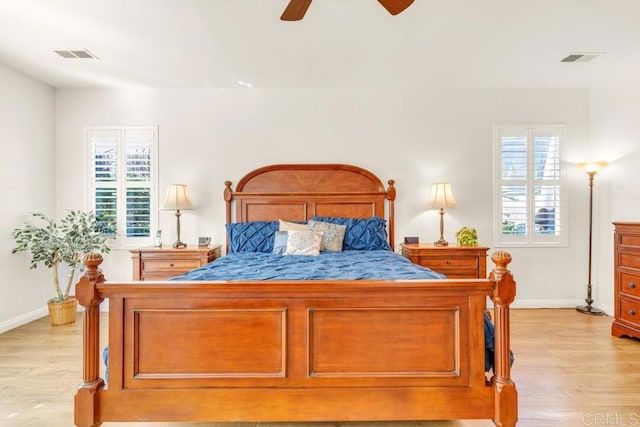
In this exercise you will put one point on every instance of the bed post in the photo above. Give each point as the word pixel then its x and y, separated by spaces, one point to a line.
pixel 506 400
pixel 86 414
pixel 228 196
pixel 391 196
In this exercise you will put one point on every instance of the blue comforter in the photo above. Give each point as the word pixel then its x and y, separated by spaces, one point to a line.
pixel 346 265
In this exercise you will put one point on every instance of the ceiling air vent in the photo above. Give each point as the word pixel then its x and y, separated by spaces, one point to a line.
pixel 75 53
pixel 581 57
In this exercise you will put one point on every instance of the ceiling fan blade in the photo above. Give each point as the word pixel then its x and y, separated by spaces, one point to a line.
pixel 295 10
pixel 394 7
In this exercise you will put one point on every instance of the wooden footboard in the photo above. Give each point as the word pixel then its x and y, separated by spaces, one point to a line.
pixel 295 351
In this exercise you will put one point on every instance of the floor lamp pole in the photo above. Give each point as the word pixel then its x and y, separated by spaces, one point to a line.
pixel 588 309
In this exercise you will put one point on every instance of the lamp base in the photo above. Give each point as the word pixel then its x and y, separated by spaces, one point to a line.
pixel 441 242
pixel 587 309
pixel 179 245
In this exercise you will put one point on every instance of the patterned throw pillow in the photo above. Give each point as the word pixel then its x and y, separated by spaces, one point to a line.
pixel 362 234
pixel 333 236
pixel 303 242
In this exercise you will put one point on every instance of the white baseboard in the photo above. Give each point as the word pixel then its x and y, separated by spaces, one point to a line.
pixel 23 319
pixel 546 303
pixel 559 304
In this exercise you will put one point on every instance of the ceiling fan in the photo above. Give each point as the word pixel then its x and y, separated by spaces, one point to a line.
pixel 297 8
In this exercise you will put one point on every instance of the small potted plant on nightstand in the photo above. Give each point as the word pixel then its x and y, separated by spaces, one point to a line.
pixel 467 236
pixel 51 243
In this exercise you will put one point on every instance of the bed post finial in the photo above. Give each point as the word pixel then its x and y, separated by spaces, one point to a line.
pixel 503 295
pixel 90 299
pixel 228 196
pixel 391 190
pixel 391 196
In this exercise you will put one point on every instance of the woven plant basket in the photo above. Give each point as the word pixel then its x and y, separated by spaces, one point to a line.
pixel 63 313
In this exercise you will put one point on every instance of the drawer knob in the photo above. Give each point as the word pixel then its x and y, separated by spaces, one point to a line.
pixel 171 265
pixel 448 262
pixel 632 285
pixel 632 312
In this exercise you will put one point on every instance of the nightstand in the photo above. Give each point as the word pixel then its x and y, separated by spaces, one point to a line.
pixel 456 262
pixel 153 263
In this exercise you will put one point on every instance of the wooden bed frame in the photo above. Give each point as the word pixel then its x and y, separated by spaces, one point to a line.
pixel 363 350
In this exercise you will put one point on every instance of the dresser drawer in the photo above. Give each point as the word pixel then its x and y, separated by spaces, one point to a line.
pixel 629 260
pixel 632 240
pixel 175 264
pixel 446 263
pixel 630 311
pixel 629 284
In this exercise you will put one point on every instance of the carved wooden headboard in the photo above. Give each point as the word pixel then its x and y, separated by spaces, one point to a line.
pixel 299 192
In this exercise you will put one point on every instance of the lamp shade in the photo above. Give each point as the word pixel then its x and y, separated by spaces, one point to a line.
pixel 177 198
pixel 441 196
pixel 592 167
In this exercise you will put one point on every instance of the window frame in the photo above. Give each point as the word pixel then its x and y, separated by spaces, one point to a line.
pixel 120 133
pixel 530 239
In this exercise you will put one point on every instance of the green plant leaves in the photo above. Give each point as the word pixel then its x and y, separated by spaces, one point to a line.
pixel 467 236
pixel 66 241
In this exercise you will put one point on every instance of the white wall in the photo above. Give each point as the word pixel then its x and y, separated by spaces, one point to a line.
pixel 27 184
pixel 208 136
pixel 615 130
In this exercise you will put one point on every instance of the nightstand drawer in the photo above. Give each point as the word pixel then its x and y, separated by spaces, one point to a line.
pixel 629 284
pixel 456 263
pixel 175 264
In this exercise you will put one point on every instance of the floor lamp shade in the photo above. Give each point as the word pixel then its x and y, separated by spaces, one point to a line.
pixel 177 199
pixel 441 197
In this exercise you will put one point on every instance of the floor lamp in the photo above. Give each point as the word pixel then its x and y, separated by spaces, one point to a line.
pixel 591 169
pixel 177 199
pixel 441 197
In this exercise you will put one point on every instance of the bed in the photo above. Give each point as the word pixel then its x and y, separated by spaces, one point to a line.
pixel 297 350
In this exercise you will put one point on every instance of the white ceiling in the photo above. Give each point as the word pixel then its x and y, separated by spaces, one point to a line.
pixel 339 43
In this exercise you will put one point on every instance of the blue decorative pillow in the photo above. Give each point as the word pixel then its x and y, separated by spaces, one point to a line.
pixel 255 236
pixel 361 234
pixel 280 242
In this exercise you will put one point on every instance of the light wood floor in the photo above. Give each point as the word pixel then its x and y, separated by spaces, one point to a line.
pixel 569 371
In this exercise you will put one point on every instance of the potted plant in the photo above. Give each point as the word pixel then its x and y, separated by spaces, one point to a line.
pixel 52 243
pixel 467 236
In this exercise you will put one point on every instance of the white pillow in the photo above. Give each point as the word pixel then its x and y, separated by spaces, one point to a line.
pixel 289 226
pixel 303 242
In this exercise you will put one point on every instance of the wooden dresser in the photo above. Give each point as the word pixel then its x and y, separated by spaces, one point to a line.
pixel 161 263
pixel 456 262
pixel 627 279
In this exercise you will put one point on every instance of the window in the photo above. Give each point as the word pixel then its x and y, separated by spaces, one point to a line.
pixel 530 195
pixel 123 182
